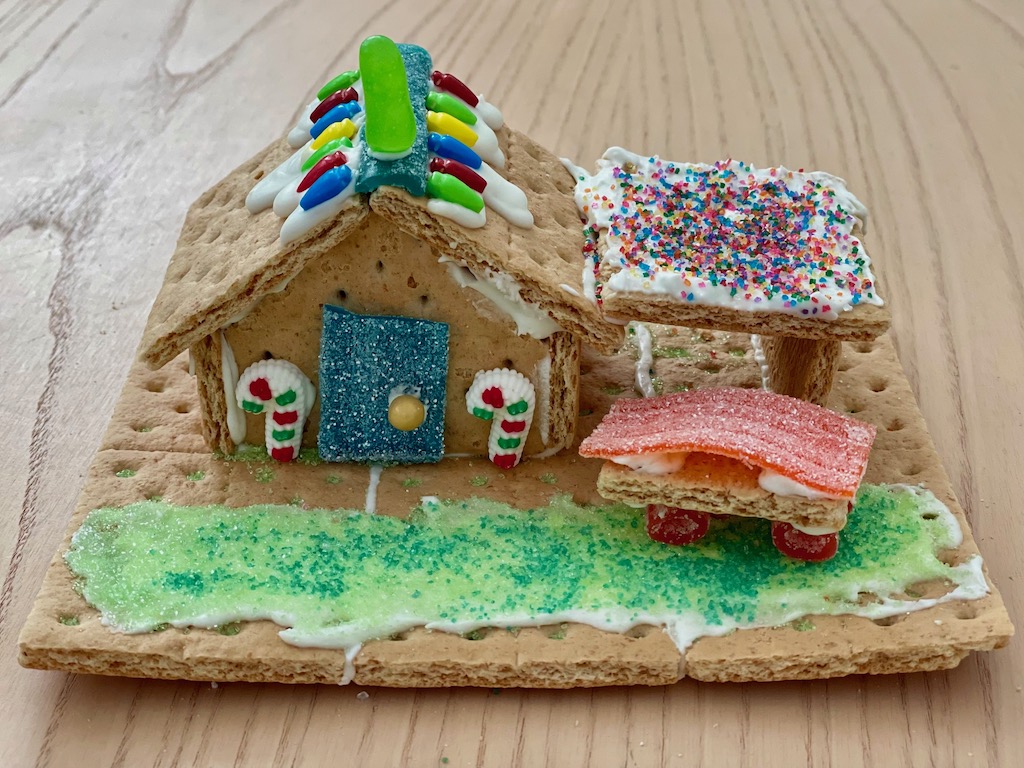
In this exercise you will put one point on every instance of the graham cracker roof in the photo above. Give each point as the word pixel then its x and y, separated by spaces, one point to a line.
pixel 228 259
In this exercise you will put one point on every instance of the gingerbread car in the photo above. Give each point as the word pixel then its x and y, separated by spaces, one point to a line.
pixel 728 451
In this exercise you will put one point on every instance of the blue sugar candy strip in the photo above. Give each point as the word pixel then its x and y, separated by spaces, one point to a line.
pixel 409 172
pixel 336 115
pixel 331 184
pixel 451 148
pixel 363 360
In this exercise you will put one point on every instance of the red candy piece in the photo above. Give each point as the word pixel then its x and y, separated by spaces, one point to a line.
pixel 812 445
pixel 283 454
pixel 505 460
pixel 286 417
pixel 513 426
pixel 260 389
pixel 493 397
pixel 803 546
pixel 463 173
pixel 671 525
pixel 323 165
pixel 454 86
pixel 336 98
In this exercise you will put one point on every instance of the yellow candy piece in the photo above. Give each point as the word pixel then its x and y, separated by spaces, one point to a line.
pixel 442 122
pixel 406 413
pixel 346 129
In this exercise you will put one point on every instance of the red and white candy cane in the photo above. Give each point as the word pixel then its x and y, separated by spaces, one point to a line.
pixel 286 394
pixel 506 399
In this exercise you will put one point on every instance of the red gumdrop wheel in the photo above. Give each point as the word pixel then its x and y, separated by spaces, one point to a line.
pixel 671 525
pixel 803 546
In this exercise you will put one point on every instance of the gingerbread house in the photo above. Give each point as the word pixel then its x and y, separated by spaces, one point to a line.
pixel 407 262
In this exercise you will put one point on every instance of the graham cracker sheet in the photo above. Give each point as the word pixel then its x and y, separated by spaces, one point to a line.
pixel 169 461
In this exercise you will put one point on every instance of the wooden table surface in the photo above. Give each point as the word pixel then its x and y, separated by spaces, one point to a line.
pixel 116 114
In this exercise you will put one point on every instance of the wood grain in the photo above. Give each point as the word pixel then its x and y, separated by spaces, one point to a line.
pixel 115 114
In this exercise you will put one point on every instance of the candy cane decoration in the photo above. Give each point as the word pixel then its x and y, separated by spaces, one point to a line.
pixel 287 393
pixel 508 395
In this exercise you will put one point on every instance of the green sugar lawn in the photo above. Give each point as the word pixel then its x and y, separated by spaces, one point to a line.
pixel 337 578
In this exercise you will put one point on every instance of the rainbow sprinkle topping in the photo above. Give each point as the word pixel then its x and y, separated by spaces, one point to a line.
pixel 726 234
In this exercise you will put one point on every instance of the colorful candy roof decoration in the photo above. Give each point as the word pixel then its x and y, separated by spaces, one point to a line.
pixel 726 234
pixel 393 122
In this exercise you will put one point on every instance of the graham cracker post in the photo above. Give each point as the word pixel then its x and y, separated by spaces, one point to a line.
pixel 802 368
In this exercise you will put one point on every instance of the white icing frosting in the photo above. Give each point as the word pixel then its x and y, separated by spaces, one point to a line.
pixel 781 485
pixel 487 144
pixel 487 112
pixel 507 200
pixel 569 289
pixel 653 274
pixel 762 361
pixel 299 134
pixel 504 293
pixel 229 374
pixel 653 463
pixel 301 221
pixel 463 216
pixel 262 195
pixel 644 360
pixel 371 489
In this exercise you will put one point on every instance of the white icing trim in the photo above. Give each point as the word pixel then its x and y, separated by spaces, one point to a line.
pixel 644 360
pixel 229 375
pixel 781 485
pixel 504 293
pixel 507 200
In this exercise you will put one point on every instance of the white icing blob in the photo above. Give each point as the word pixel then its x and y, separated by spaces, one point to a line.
pixel 781 485
pixel 653 463
pixel 262 195
pixel 467 218
pixel 507 200
pixel 489 113
pixel 487 145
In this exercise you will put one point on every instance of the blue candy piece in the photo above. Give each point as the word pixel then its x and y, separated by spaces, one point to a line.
pixel 453 149
pixel 367 360
pixel 335 115
pixel 331 184
pixel 409 172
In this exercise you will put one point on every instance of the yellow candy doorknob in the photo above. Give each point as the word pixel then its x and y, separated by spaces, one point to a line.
pixel 406 412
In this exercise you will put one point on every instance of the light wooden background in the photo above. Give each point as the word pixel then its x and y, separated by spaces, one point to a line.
pixel 116 114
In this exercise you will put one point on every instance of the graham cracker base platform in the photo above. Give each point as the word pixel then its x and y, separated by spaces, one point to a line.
pixel 155 435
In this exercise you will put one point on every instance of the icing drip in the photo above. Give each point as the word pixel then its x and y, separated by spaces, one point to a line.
pixel 644 360
pixel 762 362
pixel 504 293
pixel 371 489
pixel 229 373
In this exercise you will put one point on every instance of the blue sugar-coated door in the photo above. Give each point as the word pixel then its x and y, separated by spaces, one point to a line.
pixel 368 362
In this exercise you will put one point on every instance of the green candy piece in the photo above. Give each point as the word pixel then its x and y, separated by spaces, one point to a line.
pixel 508 442
pixel 251 407
pixel 390 122
pixel 283 434
pixel 445 102
pixel 326 149
pixel 516 408
pixel 483 413
pixel 342 81
pixel 446 187
pixel 286 398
